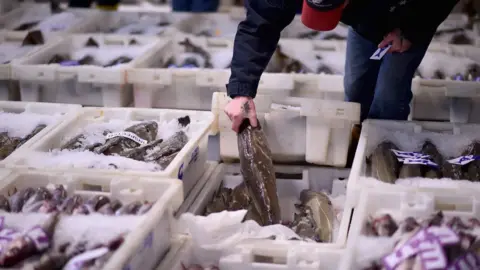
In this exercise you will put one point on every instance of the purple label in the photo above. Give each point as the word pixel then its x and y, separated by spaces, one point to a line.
pixel 148 242
pixel 444 234
pixel 69 63
pixel 180 172
pixel 194 156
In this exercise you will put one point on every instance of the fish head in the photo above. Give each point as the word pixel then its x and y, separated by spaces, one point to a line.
pixel 145 130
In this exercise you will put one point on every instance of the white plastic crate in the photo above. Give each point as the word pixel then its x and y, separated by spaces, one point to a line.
pixel 179 88
pixel 450 139
pixel 259 255
pixel 188 165
pixel 52 109
pixel 140 22
pixel 70 21
pixel 212 24
pixel 198 188
pixel 8 5
pixel 156 225
pixel 290 182
pixel 85 85
pixel 12 49
pixel 403 205
pixel 297 129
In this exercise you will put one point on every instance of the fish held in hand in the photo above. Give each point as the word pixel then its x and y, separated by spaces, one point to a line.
pixel 258 172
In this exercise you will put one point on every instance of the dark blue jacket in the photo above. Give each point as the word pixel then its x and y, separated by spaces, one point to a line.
pixel 258 35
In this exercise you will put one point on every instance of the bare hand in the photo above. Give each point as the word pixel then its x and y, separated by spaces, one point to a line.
pixel 240 108
pixel 399 44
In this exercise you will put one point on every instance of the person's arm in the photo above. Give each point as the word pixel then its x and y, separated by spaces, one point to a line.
pixel 423 19
pixel 256 39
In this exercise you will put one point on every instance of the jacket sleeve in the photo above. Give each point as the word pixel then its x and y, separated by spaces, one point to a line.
pixel 423 19
pixel 256 39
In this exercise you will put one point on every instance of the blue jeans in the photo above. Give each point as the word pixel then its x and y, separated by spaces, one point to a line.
pixel 195 5
pixel 382 87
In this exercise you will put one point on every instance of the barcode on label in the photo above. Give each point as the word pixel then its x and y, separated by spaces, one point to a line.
pixel 130 135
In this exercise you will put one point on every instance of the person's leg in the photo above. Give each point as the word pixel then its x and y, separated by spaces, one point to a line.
pixel 205 5
pixel 393 91
pixel 80 3
pixel 182 5
pixel 360 72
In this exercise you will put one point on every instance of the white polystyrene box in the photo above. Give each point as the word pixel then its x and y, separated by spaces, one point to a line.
pixel 403 204
pixel 86 85
pixel 156 225
pixel 67 110
pixel 447 137
pixel 291 181
pixel 188 165
pixel 297 129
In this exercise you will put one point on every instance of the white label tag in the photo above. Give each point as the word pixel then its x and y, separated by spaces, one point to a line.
pixel 39 238
pixel 402 155
pixel 130 135
pixel 421 161
pixel 76 263
pixel 380 52
pixel 463 160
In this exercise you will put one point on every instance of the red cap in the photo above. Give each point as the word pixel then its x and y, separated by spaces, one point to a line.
pixel 321 19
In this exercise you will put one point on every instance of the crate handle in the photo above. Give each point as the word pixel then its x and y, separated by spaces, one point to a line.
pixel 217 44
pixel 431 84
pixel 114 42
pixel 13 39
pixel 446 205
pixel 289 176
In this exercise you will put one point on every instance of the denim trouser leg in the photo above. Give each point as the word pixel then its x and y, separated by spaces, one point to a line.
pixel 360 72
pixel 182 5
pixel 383 88
pixel 205 5
pixel 393 91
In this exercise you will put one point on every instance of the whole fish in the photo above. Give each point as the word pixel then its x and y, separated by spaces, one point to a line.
pixel 304 223
pixel 31 134
pixel 77 142
pixel 4 204
pixel 430 149
pixel 28 244
pixel 32 204
pixel 322 212
pixel 96 202
pixel 48 206
pixel 139 153
pixel 452 171
pixel 146 206
pixel 220 201
pixel 258 172
pixel 70 204
pixel 191 48
pixel 384 163
pixel 239 198
pixel 166 151
pixel 472 170
pixel 129 209
pixel 7 145
pixel 59 194
pixel 34 37
pixel 18 199
pixel 410 170
pixel 385 225
pixel 110 208
pixel 145 130
pixel 118 61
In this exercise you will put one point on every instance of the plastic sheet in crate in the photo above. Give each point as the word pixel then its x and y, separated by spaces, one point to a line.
pixel 32 16
pixel 291 180
pixel 147 235
pixel 84 69
pixel 297 129
pixel 257 255
pixel 169 79
pixel 23 123
pixel 148 142
pixel 401 214
pixel 426 161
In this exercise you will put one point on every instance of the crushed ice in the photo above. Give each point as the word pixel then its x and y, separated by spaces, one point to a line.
pixel 22 124
pixel 93 133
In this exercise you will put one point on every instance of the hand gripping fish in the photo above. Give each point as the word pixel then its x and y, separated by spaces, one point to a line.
pixel 258 172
